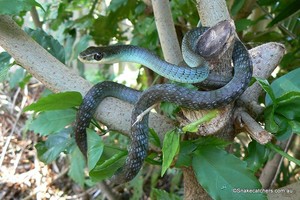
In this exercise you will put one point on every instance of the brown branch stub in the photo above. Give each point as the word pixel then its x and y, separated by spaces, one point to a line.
pixel 243 121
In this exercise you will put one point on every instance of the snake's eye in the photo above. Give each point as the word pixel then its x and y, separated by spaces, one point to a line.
pixel 98 56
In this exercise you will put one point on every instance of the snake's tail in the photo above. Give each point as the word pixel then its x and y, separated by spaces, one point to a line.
pixel 137 150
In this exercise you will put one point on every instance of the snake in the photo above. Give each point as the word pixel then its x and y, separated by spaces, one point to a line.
pixel 174 93
pixel 195 70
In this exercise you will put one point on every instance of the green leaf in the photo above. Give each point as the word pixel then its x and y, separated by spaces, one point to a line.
pixel 284 84
pixel 243 24
pixel 211 141
pixel 169 149
pixel 271 125
pixel 76 171
pixel 154 138
pixel 52 121
pixel 288 11
pixel 55 144
pixel 48 43
pixel 170 109
pixel 257 156
pixel 9 7
pixel 111 160
pixel 266 86
pixel 17 77
pixel 95 148
pixel 184 158
pixel 58 101
pixel 4 65
pixel 222 175
pixel 289 105
pixel 278 150
pixel 236 6
pixel 295 126
pixel 188 147
pixel 287 110
pixel 157 194
pixel 193 127
pixel 103 30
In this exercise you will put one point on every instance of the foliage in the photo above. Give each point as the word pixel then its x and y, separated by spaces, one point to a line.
pixel 129 21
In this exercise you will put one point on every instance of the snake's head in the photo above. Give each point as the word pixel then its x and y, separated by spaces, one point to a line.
pixel 91 55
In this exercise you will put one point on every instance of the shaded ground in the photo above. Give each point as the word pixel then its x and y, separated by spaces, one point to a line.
pixel 22 175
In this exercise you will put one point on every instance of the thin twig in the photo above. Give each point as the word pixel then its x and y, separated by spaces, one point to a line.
pixel 35 17
pixel 13 129
pixel 108 191
pixel 93 7
pixel 286 146
pixel 145 112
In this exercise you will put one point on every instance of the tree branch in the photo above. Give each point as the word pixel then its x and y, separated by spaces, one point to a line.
pixel 166 31
pixel 58 78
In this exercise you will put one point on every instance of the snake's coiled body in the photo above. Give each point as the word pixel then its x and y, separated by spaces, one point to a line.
pixel 90 103
pixel 173 93
pixel 184 97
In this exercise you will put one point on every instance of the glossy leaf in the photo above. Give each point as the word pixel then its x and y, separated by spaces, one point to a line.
pixel 9 7
pixel 288 82
pixel 287 109
pixel 288 11
pixel 58 101
pixel 76 171
pixel 188 147
pixel 257 156
pixel 55 144
pixel 193 127
pixel 215 168
pixel 271 124
pixel 289 105
pixel 295 125
pixel 266 86
pixel 95 148
pixel 52 121
pixel 184 158
pixel 169 149
pixel 111 160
